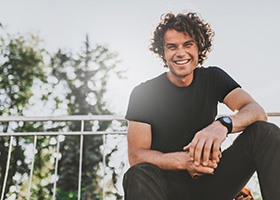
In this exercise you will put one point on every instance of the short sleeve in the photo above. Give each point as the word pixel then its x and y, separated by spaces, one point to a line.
pixel 138 106
pixel 223 83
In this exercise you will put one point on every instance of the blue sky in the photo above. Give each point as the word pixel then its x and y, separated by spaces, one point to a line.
pixel 246 43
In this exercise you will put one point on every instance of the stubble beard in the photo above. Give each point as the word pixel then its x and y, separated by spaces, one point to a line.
pixel 173 72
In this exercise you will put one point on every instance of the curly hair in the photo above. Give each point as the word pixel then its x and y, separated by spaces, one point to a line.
pixel 187 23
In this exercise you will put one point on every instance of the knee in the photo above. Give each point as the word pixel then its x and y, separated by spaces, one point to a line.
pixel 144 181
pixel 137 176
pixel 140 170
pixel 264 130
pixel 262 126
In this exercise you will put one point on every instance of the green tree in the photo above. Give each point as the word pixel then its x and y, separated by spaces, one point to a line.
pixel 82 81
pixel 21 64
pixel 85 79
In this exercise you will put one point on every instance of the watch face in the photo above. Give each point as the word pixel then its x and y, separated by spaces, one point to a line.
pixel 227 122
pixel 227 119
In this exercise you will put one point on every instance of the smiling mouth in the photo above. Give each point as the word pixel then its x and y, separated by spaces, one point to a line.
pixel 181 62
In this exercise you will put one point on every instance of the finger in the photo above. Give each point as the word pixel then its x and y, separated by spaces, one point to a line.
pixel 219 155
pixel 206 152
pixel 191 148
pixel 196 175
pixel 198 152
pixel 216 154
pixel 203 170
pixel 186 148
pixel 243 198
pixel 212 164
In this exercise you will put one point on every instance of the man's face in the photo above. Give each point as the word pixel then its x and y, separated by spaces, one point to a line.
pixel 180 53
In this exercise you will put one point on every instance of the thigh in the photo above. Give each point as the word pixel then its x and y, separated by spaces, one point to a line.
pixel 179 185
pixel 233 172
pixel 144 181
pixel 149 182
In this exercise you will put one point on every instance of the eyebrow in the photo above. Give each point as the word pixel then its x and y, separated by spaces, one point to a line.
pixel 187 42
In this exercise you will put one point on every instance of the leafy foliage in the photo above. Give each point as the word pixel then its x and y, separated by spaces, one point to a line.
pixel 21 64
pixel 76 85
pixel 85 77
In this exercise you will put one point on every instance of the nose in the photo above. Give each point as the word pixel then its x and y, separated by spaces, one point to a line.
pixel 180 52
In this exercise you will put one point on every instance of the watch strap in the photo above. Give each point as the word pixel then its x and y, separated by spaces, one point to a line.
pixel 227 122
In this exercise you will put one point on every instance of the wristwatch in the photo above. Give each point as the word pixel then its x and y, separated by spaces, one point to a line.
pixel 227 122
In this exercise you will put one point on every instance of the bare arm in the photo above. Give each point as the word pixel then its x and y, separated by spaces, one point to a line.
pixel 248 110
pixel 139 144
pixel 210 138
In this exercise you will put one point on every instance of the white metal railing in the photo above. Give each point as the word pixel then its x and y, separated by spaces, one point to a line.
pixel 81 133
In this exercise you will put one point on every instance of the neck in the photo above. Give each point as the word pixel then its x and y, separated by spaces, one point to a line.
pixel 180 81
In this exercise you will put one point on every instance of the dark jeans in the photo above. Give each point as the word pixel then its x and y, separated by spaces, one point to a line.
pixel 256 149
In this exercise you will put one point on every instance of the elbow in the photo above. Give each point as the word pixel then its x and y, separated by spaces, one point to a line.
pixel 263 116
pixel 131 161
pixel 133 158
pixel 137 155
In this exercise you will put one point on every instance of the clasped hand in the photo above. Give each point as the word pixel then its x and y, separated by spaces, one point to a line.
pixel 204 149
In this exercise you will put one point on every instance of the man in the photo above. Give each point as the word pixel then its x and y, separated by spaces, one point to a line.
pixel 174 137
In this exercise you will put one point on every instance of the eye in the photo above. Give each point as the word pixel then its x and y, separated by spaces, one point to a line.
pixel 171 47
pixel 188 44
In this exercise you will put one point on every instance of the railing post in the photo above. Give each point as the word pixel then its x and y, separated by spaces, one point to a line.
pixel 32 167
pixel 56 167
pixel 81 159
pixel 104 167
pixel 7 168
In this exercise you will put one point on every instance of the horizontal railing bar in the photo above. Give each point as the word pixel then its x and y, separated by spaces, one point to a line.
pixel 64 133
pixel 269 114
pixel 80 117
pixel 62 118
pixel 73 118
pixel 273 114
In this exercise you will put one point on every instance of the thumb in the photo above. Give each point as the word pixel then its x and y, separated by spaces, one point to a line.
pixel 186 148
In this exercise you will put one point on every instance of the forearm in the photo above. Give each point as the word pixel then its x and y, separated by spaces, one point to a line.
pixel 247 115
pixel 139 150
pixel 167 161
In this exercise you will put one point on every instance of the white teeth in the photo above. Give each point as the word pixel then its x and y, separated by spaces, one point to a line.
pixel 181 62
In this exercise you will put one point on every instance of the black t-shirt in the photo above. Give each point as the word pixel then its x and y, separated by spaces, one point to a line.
pixel 177 113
